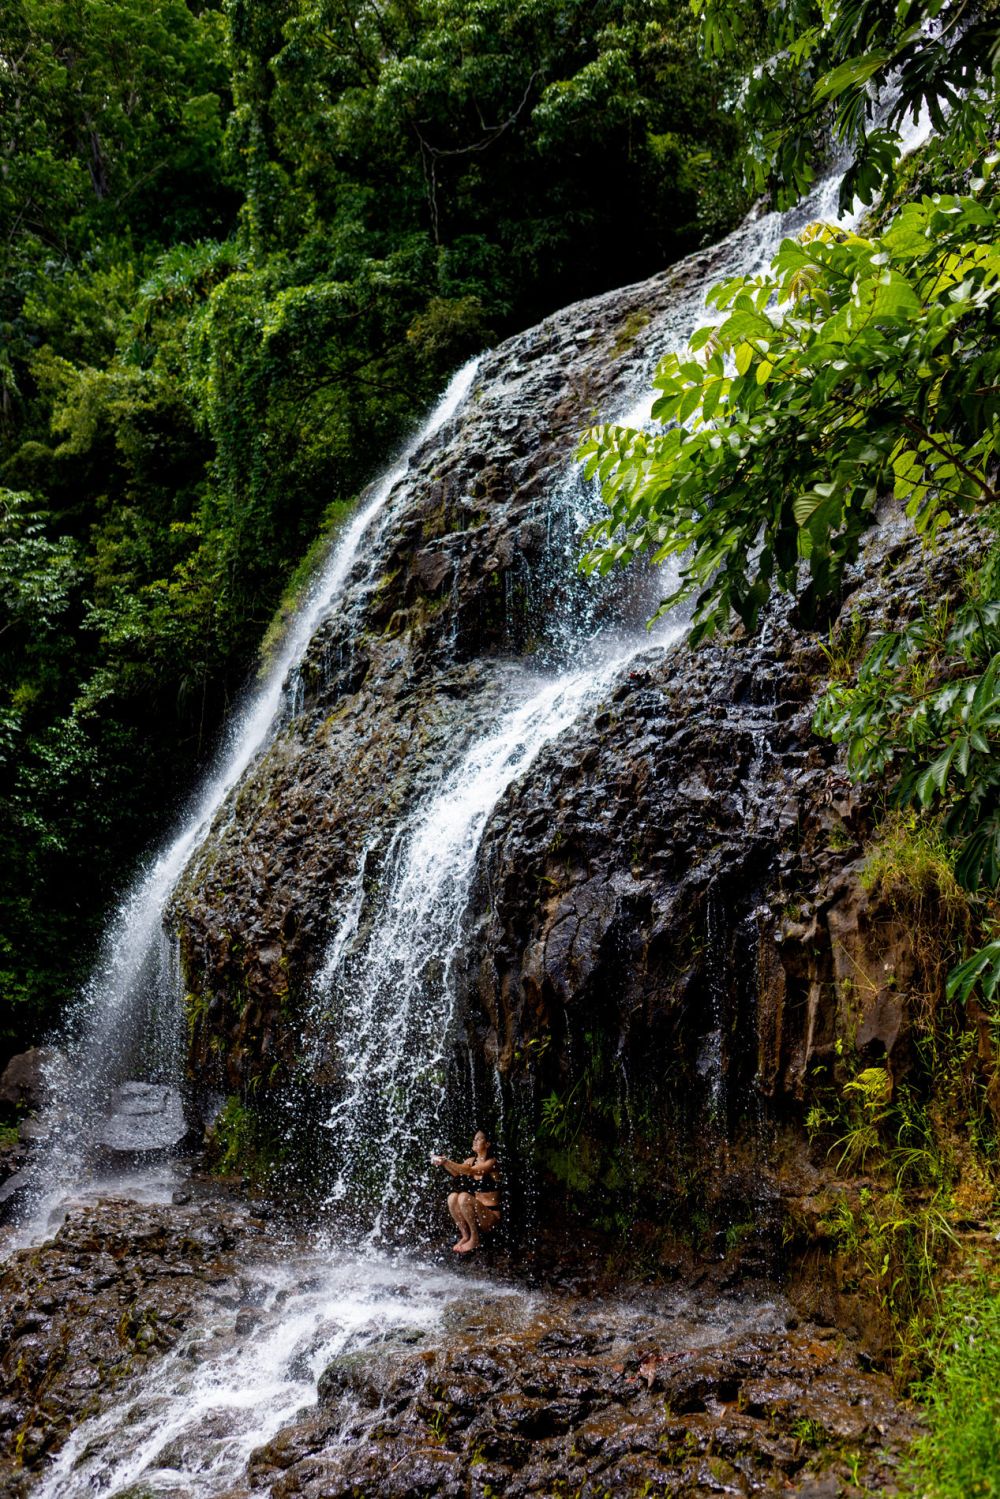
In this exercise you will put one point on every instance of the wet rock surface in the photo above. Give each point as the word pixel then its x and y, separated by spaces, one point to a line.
pixel 514 1390
pixel 461 597
pixel 680 873
pixel 143 1117
pixel 82 1313
pixel 571 1405
pixel 27 1080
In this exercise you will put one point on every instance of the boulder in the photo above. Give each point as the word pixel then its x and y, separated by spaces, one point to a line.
pixel 27 1080
pixel 143 1117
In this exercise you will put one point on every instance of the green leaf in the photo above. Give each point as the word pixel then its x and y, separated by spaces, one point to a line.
pixel 981 971
pixel 849 75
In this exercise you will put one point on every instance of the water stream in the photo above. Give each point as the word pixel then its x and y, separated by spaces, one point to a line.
pixel 391 1005
pixel 191 1424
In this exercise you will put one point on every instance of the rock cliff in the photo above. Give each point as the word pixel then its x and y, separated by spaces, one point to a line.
pixel 666 936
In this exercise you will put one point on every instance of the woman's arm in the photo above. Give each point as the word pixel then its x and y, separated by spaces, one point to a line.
pixel 455 1168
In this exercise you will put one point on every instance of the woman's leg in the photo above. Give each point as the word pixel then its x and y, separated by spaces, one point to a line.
pixel 466 1206
pixel 487 1218
pixel 460 1223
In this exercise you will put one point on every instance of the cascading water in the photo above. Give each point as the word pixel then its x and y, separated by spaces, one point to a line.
pixel 390 1001
pixel 391 1006
pixel 129 1015
pixel 220 1394
pixel 387 995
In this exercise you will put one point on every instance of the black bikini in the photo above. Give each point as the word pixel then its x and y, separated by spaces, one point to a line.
pixel 487 1184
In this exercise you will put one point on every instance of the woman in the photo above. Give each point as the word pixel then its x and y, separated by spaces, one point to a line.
pixel 476 1210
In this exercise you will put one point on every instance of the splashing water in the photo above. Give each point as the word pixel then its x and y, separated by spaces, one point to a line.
pixel 392 1006
pixel 226 1389
pixel 189 1427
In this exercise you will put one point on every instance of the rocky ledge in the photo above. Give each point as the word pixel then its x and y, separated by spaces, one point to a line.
pixel 559 1391
pixel 79 1315
pixel 559 1409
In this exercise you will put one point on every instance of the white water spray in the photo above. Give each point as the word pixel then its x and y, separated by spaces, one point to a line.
pixel 247 1372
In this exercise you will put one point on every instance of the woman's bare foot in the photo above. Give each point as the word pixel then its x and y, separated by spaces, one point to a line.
pixel 467 1245
pixel 458 1246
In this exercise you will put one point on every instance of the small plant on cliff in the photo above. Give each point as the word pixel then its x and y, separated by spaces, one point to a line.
pixel 560 1121
pixel 924 716
pixel 872 1090
pixel 239 1143
pixel 896 1249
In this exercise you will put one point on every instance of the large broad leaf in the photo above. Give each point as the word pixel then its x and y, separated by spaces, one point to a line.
pixel 849 74
pixel 981 971
pixel 894 298
pixel 743 325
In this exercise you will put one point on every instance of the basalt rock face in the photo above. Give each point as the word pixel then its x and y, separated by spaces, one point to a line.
pixel 666 932
pixel 464 589
pixel 669 934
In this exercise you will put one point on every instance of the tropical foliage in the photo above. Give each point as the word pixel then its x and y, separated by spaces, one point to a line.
pixel 854 71
pixel 852 366
pixel 859 367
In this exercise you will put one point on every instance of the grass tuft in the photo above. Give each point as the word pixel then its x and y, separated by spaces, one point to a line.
pixel 959 1456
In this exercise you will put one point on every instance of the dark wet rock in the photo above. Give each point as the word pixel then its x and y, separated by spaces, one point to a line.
pixel 143 1117
pixel 35 1128
pixel 445 621
pixel 671 891
pixel 114 1288
pixel 26 1083
pixel 13 1155
pixel 667 937
pixel 781 1411
pixel 14 1191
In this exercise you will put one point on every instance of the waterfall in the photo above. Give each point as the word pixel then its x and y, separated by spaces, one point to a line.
pixel 391 1007
pixel 389 1001
pixel 385 997
pixel 129 1016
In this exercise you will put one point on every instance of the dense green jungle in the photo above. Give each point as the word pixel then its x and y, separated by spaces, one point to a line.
pixel 244 245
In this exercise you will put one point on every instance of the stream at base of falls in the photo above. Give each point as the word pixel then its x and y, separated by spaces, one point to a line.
pixel 245 1359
